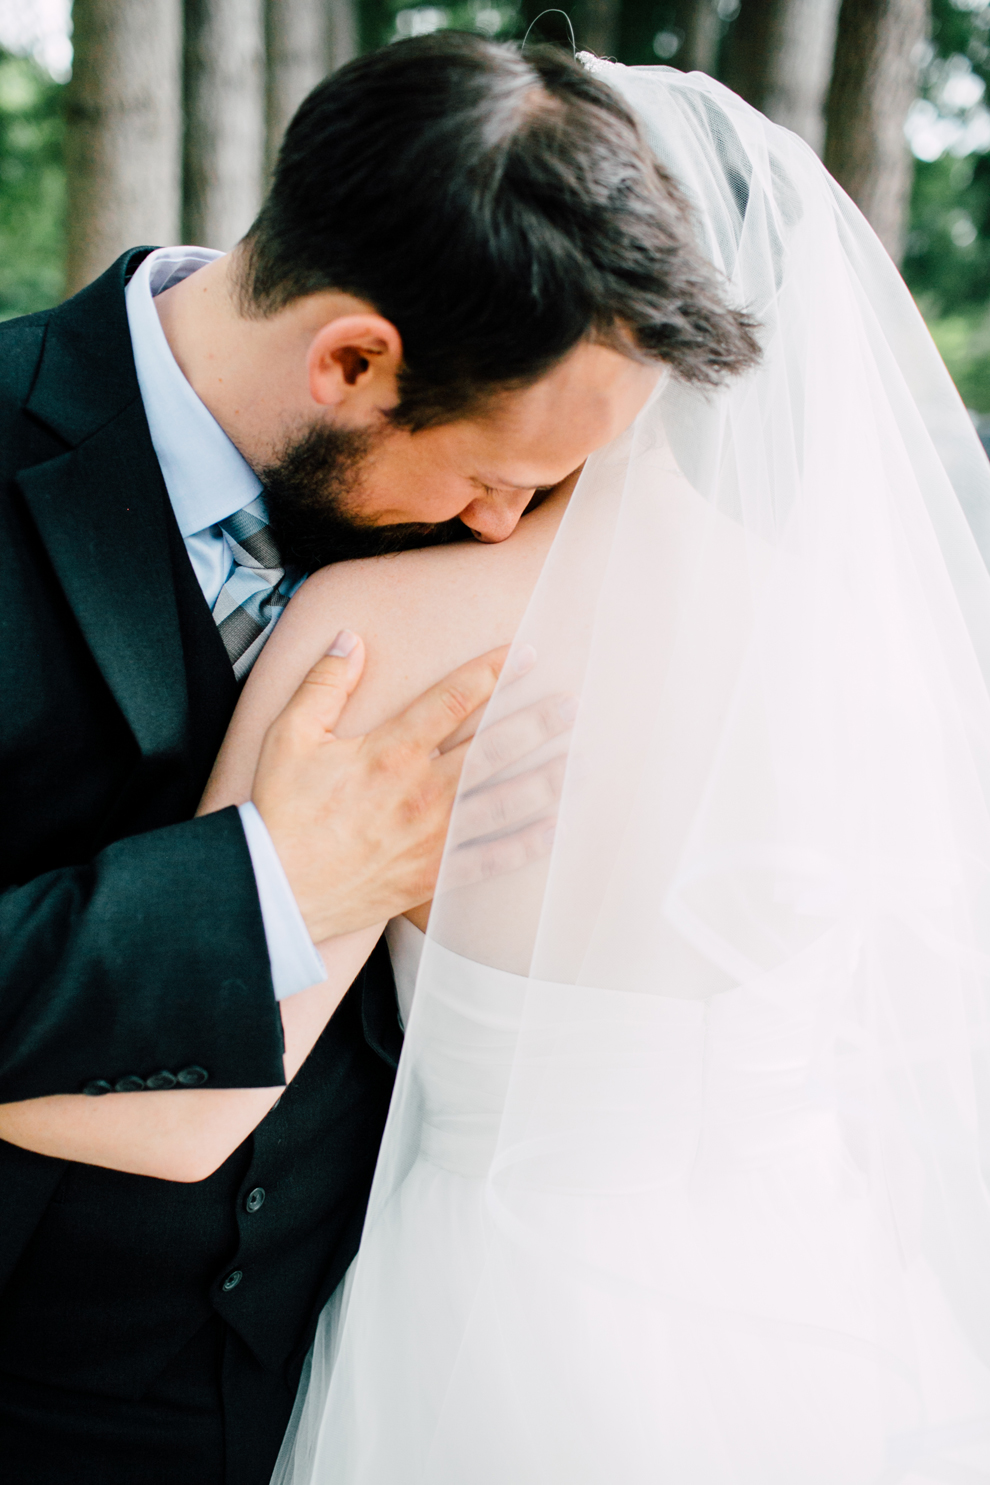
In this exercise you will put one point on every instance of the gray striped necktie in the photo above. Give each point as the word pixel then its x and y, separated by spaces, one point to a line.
pixel 255 593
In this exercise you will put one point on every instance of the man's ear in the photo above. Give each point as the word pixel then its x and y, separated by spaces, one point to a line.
pixel 353 364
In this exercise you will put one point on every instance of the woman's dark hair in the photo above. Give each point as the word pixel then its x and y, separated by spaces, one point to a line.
pixel 498 208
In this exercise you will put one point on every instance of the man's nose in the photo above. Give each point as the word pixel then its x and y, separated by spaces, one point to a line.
pixel 494 517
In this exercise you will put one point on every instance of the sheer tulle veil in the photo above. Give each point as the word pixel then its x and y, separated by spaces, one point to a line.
pixel 705 1096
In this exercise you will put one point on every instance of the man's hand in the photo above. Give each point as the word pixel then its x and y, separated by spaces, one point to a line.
pixel 360 823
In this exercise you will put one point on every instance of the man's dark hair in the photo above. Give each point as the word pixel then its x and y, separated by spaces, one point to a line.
pixel 498 208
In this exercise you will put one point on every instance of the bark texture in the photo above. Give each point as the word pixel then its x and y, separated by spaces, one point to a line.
pixel 306 39
pixel 343 32
pixel 124 133
pixel 874 82
pixel 224 153
pixel 702 33
pixel 781 61
pixel 599 27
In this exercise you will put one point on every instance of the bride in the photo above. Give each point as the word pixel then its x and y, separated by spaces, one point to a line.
pixel 685 1174
pixel 685 1171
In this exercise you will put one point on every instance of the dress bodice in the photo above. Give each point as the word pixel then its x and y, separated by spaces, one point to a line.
pixel 614 1081
pixel 620 1235
pixel 405 946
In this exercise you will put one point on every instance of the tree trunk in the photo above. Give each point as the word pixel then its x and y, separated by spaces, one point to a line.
pixel 298 37
pixel 781 62
pixel 123 136
pixel 702 33
pixel 800 66
pixel 225 119
pixel 746 64
pixel 874 82
pixel 599 27
pixel 343 32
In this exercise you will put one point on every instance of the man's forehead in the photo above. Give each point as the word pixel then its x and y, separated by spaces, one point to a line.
pixel 532 437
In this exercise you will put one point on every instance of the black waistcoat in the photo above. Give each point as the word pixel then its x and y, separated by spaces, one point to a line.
pixel 122 1270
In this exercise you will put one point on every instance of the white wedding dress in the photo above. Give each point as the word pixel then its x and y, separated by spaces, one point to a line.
pixel 685 1178
pixel 760 1357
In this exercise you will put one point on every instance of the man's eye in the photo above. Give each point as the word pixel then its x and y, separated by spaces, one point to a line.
pixel 537 498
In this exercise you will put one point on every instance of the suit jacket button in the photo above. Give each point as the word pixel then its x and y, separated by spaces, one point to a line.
pixel 255 1199
pixel 163 1079
pixel 132 1084
pixel 191 1077
pixel 232 1280
pixel 98 1086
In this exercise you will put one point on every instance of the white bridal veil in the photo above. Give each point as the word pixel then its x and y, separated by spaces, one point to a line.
pixel 685 1176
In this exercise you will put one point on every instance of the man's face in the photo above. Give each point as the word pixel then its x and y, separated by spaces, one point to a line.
pixel 351 492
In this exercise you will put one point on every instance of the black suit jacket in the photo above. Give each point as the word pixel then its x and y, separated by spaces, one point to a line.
pixel 131 940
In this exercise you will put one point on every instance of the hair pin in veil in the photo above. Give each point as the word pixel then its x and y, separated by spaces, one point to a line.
pixel 553 10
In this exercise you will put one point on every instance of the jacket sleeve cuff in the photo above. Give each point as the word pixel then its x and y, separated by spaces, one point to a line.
pixel 295 961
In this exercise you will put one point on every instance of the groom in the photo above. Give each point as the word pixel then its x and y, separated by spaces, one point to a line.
pixel 462 282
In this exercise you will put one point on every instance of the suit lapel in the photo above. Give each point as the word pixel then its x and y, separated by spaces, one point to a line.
pixel 101 510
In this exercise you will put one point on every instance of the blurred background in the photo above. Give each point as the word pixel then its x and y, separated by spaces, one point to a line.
pixel 129 121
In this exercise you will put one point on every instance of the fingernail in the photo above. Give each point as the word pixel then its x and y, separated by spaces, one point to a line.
pixel 523 658
pixel 568 708
pixel 343 644
pixel 549 834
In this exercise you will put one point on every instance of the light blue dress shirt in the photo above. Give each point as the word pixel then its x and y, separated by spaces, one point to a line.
pixel 207 480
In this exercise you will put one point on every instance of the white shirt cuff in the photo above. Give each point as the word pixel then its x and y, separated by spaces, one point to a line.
pixel 295 962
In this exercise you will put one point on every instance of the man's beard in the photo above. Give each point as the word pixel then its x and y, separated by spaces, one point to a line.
pixel 311 491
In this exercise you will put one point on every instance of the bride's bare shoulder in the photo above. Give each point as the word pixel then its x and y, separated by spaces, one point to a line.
pixel 406 600
pixel 420 614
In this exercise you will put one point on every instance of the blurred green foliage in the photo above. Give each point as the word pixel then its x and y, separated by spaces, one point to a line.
pixel 947 261
pixel 383 21
pixel 947 257
pixel 947 266
pixel 32 188
pixel 948 249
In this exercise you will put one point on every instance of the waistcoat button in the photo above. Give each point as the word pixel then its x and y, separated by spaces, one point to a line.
pixel 192 1077
pixel 255 1199
pixel 232 1280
